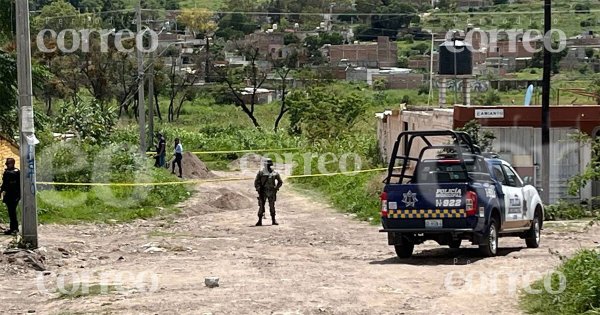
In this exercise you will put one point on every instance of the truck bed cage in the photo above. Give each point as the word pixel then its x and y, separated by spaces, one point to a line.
pixel 461 145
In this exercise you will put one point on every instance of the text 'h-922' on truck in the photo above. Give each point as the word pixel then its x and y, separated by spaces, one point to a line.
pixel 452 192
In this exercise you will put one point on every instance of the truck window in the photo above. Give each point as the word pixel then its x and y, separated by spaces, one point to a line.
pixel 512 178
pixel 499 174
pixel 440 172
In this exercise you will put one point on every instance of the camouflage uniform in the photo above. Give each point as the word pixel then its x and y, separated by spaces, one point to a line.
pixel 267 183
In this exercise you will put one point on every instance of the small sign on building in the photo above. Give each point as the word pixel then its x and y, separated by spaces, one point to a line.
pixel 489 113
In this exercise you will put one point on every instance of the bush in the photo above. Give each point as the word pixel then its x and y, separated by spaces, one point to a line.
pixel 82 162
pixel 323 113
pixel 569 211
pixel 91 121
pixel 356 193
pixel 105 204
pixel 581 294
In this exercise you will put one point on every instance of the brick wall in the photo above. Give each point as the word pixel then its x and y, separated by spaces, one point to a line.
pixel 401 81
pixel 382 54
pixel 8 150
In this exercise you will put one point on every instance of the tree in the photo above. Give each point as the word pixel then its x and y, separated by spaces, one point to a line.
pixel 235 79
pixel 582 8
pixel 236 25
pixel 283 69
pixel 322 113
pixel 594 88
pixel 199 21
pixel 491 97
pixel 537 60
pixel 180 84
pixel 90 121
pixel 482 139
pixel 59 15
pixel 592 170
pixel 396 14
pixel 7 21
pixel 8 75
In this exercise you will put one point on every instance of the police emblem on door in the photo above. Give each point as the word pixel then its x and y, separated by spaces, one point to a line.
pixel 410 199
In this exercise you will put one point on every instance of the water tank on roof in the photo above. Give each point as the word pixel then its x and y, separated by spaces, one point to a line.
pixel 456 58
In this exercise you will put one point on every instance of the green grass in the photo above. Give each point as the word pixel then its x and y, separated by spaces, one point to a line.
pixel 114 204
pixel 581 293
pixel 514 18
pixel 208 4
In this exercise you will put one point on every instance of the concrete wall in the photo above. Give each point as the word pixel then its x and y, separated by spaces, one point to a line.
pixel 392 125
pixel 401 81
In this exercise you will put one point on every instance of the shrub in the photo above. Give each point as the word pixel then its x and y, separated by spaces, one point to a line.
pixel 355 193
pixel 323 113
pixel 91 121
pixel 568 211
pixel 581 294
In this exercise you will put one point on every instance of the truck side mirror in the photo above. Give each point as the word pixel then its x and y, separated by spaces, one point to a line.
pixel 528 180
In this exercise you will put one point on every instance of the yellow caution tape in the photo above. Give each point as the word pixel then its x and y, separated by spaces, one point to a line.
pixel 237 151
pixel 201 181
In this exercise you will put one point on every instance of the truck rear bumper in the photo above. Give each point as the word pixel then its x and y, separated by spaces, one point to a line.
pixel 427 231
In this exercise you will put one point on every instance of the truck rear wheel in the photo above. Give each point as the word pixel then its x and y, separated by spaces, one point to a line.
pixel 534 234
pixel 405 250
pixel 489 247
pixel 455 243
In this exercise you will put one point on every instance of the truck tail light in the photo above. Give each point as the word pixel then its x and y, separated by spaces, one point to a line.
pixel 384 208
pixel 471 203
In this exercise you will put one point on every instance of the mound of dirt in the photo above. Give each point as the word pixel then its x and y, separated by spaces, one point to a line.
pixel 250 161
pixel 19 261
pixel 231 200
pixel 194 168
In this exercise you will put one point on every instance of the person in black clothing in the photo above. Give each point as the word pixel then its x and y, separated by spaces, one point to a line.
pixel 161 152
pixel 11 191
pixel 178 157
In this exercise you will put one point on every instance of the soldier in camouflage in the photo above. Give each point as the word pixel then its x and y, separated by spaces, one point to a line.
pixel 267 184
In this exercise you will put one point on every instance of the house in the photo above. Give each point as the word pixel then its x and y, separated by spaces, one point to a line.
pixel 268 43
pixel 262 96
pixel 382 53
pixel 9 149
pixel 468 4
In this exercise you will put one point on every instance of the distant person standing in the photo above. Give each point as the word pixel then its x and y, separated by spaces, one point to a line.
pixel 178 157
pixel 161 150
pixel 267 183
pixel 11 194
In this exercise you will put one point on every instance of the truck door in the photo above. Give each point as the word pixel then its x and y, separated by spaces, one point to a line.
pixel 513 195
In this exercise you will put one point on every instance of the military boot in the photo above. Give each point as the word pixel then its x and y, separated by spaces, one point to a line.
pixel 259 223
pixel 275 221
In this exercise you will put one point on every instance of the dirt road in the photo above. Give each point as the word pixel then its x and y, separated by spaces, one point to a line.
pixel 318 261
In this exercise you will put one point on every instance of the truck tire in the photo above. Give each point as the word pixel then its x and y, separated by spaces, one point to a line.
pixel 489 248
pixel 532 238
pixel 405 250
pixel 455 243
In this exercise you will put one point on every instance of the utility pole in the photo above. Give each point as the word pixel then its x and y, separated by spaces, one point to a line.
pixel 141 85
pixel 546 102
pixel 207 61
pixel 151 99
pixel 430 70
pixel 26 135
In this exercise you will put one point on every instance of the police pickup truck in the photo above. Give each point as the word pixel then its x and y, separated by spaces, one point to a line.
pixel 452 192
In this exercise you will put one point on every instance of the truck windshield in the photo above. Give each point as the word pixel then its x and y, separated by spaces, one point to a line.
pixel 446 171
